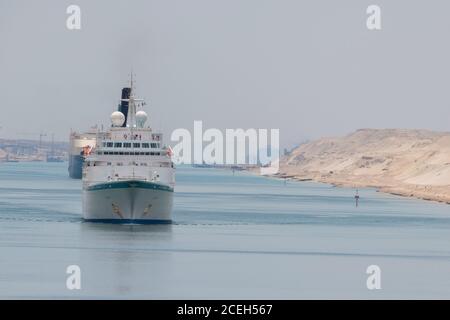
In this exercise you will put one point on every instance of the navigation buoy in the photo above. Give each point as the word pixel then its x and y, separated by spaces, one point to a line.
pixel 357 198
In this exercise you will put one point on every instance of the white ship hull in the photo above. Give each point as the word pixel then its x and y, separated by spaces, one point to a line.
pixel 131 201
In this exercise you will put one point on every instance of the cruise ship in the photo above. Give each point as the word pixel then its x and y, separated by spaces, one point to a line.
pixel 129 176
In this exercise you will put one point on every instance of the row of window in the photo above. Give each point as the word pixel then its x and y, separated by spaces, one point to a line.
pixel 120 164
pixel 94 164
pixel 129 144
pixel 121 153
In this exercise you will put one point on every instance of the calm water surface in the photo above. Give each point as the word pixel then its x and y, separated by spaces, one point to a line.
pixel 238 236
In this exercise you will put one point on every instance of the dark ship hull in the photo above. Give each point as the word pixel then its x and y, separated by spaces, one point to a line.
pixel 76 166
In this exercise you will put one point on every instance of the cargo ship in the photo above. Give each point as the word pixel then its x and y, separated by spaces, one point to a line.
pixel 80 143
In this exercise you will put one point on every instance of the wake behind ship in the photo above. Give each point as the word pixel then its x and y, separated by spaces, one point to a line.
pixel 128 177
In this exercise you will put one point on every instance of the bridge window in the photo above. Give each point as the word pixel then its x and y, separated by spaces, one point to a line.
pixel 136 145
pixel 127 144
pixel 145 145
pixel 109 144
pixel 118 145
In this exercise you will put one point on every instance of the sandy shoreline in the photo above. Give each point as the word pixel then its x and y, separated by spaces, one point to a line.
pixel 430 193
pixel 410 163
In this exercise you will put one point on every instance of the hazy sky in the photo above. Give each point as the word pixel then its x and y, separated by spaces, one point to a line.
pixel 310 68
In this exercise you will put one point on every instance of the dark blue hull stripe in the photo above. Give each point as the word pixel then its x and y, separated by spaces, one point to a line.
pixel 129 184
pixel 129 221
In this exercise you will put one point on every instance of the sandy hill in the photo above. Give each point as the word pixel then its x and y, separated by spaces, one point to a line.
pixel 407 162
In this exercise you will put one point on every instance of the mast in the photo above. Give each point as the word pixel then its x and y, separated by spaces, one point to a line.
pixel 131 115
pixel 132 107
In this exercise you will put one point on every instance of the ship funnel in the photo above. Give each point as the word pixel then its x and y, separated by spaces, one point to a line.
pixel 123 107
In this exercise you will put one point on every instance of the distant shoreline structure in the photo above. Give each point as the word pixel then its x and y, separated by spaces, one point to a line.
pixel 25 150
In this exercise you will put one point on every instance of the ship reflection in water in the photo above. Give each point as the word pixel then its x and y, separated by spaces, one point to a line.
pixel 130 261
